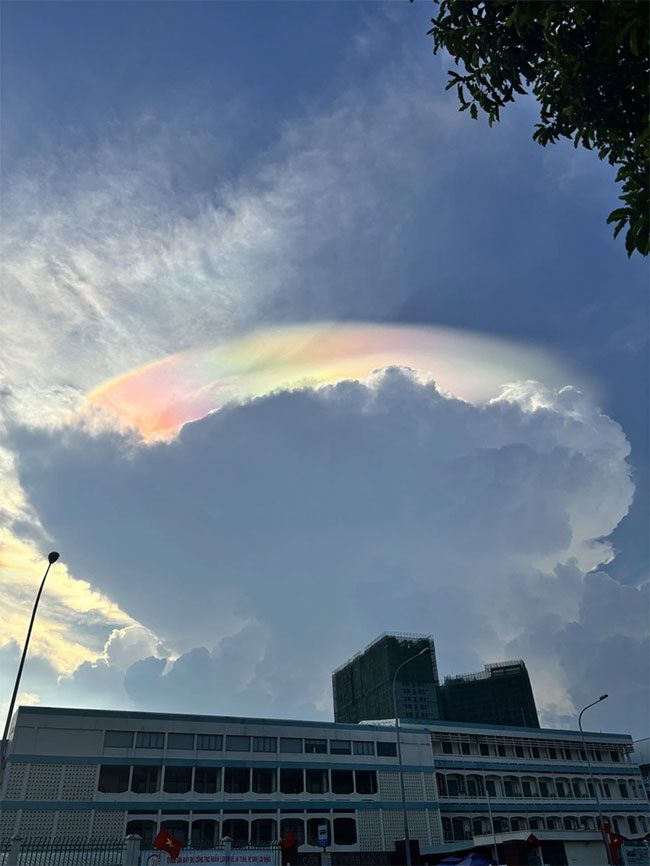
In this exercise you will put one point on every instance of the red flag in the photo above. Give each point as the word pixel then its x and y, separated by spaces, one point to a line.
pixel 164 841
pixel 290 840
pixel 533 841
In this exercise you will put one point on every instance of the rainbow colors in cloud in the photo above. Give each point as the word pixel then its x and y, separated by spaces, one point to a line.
pixel 160 397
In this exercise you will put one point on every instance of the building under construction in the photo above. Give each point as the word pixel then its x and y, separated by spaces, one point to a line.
pixel 363 686
pixel 501 694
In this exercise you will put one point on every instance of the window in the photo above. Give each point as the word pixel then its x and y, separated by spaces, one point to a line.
pixel 465 749
pixel 291 781
pixel 178 780
pixel 263 780
pixel 534 751
pixel 615 757
pixel 527 789
pixel 622 787
pixel 118 739
pixel 342 782
pixel 567 754
pixel 207 780
pixel 238 744
pixel 345 831
pixel 388 750
pixel 236 780
pixel 209 742
pixel 519 751
pixel 316 781
pixel 145 829
pixel 237 829
pixel 297 825
pixel 472 788
pixel 543 789
pixel 552 753
pixel 501 750
pixel 561 789
pixel 631 821
pixel 316 747
pixel 363 747
pixel 441 784
pixel 366 781
pixel 446 748
pixel 290 744
pixel 205 833
pixel 606 790
pixel 150 740
pixel 340 747
pixel 265 744
pixel 263 831
pixel 484 749
pixel 582 754
pixel 145 780
pixel 113 779
pixel 180 741
pixel 598 755
pixel 490 787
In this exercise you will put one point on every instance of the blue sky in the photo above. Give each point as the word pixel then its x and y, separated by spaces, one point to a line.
pixel 178 173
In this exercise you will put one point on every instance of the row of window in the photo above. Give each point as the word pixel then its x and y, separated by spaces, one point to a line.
pixel 261 831
pixel 462 828
pixel 237 743
pixel 534 752
pixel 456 785
pixel 118 778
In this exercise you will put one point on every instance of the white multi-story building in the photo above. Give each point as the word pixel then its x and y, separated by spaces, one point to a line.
pixel 97 773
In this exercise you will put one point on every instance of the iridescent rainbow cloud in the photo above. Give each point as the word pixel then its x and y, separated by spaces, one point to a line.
pixel 160 397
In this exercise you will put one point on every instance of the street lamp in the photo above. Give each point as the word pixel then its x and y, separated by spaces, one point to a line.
pixel 407 841
pixel 591 776
pixel 51 559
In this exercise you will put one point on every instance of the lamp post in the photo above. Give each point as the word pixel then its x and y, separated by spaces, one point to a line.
pixel 407 841
pixel 591 776
pixel 51 559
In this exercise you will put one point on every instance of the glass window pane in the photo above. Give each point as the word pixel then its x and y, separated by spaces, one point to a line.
pixel 265 744
pixel 236 780
pixel 340 747
pixel 178 780
pixel 180 741
pixel 150 740
pixel 315 747
pixel 145 780
pixel 291 781
pixel 366 781
pixel 345 831
pixel 290 744
pixel 316 781
pixel 237 744
pixel 209 742
pixel 387 750
pixel 264 780
pixel 342 782
pixel 118 739
pixel 363 747
pixel 207 780
pixel 113 779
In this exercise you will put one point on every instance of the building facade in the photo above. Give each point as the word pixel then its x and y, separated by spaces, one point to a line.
pixel 87 774
pixel 500 694
pixel 363 686
pixel 81 774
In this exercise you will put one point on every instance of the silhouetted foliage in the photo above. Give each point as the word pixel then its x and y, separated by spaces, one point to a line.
pixel 586 63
